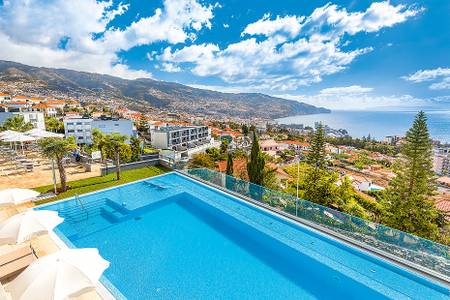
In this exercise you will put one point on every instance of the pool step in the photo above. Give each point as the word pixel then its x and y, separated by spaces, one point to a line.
pixel 103 206
pixel 113 211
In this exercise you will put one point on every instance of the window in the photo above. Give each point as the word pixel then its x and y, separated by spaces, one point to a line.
pixel 70 130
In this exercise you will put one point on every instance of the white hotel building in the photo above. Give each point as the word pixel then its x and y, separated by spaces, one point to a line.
pixel 81 128
pixel 180 138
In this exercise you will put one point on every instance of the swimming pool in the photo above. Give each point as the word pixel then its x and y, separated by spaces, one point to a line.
pixel 171 237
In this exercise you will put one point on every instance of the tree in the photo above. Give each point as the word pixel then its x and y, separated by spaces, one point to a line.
pixel 136 148
pixel 255 167
pixel 117 150
pixel 142 125
pixel 202 160
pixel 16 123
pixel 57 148
pixel 408 200
pixel 98 139
pixel 245 130
pixel 316 157
pixel 224 145
pixel 230 170
pixel 54 125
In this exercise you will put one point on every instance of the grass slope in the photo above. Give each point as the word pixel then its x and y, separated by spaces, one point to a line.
pixel 87 185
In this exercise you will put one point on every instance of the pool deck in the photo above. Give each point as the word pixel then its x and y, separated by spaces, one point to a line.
pixel 44 244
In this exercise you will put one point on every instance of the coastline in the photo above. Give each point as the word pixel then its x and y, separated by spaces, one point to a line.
pixel 378 124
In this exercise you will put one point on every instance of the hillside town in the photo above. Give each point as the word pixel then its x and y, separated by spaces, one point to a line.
pixel 185 138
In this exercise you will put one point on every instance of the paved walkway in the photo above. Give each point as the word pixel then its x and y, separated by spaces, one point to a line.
pixel 43 176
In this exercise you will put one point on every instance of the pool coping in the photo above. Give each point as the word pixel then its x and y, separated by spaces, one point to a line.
pixel 337 237
pixel 398 261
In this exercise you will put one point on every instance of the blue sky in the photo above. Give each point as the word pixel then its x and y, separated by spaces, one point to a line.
pixel 338 54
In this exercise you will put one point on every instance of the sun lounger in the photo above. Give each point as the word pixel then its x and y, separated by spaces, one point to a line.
pixel 14 258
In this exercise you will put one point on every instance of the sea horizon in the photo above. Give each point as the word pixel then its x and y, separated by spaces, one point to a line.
pixel 378 123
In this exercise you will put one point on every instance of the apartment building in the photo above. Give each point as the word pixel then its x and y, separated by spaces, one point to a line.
pixel 81 128
pixel 180 138
pixel 441 161
pixel 111 125
pixel 35 118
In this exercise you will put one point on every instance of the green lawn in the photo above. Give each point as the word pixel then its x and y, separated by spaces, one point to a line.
pixel 97 183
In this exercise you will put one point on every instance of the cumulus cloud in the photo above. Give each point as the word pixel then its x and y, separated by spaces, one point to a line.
pixel 364 101
pixel 283 53
pixel 346 90
pixel 32 32
pixel 439 77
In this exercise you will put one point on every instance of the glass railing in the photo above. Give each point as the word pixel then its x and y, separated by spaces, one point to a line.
pixel 428 255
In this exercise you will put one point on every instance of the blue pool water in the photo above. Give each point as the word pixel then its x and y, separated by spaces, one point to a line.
pixel 170 237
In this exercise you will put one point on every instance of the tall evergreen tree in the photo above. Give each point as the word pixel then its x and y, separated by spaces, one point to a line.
pixel 230 170
pixel 316 156
pixel 408 201
pixel 245 130
pixel 255 167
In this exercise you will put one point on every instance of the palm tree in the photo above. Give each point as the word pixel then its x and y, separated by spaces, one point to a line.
pixel 99 141
pixel 57 148
pixel 116 148
pixel 16 123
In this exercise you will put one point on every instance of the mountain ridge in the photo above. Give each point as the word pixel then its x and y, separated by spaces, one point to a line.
pixel 145 93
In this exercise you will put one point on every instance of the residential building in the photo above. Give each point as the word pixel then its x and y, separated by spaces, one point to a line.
pixel 35 118
pixel 269 145
pixel 110 125
pixel 180 138
pixel 4 97
pixel 441 163
pixel 81 128
pixel 391 139
pixel 44 108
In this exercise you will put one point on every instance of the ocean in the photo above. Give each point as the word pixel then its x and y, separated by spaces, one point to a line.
pixel 377 123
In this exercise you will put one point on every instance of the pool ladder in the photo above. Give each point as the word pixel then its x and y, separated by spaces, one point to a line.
pixel 79 202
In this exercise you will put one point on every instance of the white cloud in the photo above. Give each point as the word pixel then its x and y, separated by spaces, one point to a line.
pixel 346 90
pixel 31 32
pixel 440 78
pixel 225 25
pixel 283 53
pixel 362 101
pixel 171 68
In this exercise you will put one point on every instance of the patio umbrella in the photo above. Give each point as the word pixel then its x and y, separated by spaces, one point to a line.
pixel 19 137
pixel 66 273
pixel 23 226
pixel 40 133
pixel 16 196
pixel 6 133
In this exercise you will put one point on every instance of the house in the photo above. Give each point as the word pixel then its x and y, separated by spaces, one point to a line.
pixel 4 97
pixel 367 186
pixel 17 106
pixel 49 111
pixel 298 146
pixel 58 104
pixel 269 145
